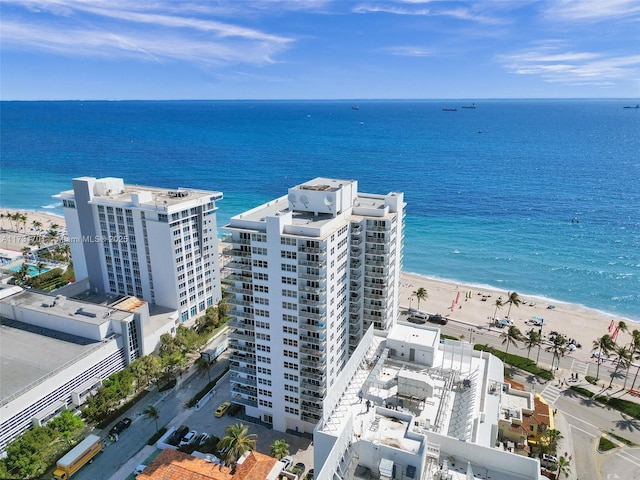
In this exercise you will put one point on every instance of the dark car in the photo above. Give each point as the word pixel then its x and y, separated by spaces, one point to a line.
pixel 177 435
pixel 234 410
pixel 309 475
pixel 299 469
pixel 120 427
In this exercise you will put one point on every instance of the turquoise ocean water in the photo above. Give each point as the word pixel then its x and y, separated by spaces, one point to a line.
pixel 537 196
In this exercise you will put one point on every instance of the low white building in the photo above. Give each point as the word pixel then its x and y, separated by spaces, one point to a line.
pixel 410 407
pixel 55 351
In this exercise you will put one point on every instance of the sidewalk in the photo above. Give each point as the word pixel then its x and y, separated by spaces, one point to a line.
pixel 126 471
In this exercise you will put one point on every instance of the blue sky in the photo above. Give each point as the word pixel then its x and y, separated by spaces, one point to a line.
pixel 319 49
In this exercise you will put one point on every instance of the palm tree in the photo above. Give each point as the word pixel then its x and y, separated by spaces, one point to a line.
pixel 152 413
pixel 621 327
pixel 1 221
pixel 635 349
pixel 511 336
pixel 623 358
pixel 238 441
pixel 564 467
pixel 498 305
pixel 36 225
pixel 204 367
pixel 279 449
pixel 551 438
pixel 514 299
pixel 40 267
pixel 604 345
pixel 532 339
pixel 420 294
pixel 558 348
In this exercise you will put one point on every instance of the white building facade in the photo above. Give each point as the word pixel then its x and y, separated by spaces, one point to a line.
pixel 310 271
pixel 157 244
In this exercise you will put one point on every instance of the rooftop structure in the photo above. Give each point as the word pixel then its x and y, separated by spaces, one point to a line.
pixel 409 406
pixel 56 350
pixel 310 271
pixel 157 244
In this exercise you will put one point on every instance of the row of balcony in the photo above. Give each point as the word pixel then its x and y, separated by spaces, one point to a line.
pixel 305 249
pixel 249 391
pixel 239 323
pixel 311 328
pixel 235 367
pixel 313 362
pixel 246 266
pixel 244 401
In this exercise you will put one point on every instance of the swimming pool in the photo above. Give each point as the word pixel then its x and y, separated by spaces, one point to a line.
pixel 33 270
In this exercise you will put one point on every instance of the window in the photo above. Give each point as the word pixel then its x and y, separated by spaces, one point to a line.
pixel 291 365
pixel 291 399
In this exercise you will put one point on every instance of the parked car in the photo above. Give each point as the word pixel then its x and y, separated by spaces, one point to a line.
pixel 309 475
pixel 222 409
pixel 548 461
pixel 299 469
pixel 201 439
pixel 139 469
pixel 288 460
pixel 188 438
pixel 177 435
pixel 235 409
pixel 120 427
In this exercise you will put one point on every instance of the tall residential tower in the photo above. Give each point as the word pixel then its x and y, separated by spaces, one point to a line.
pixel 311 271
pixel 157 244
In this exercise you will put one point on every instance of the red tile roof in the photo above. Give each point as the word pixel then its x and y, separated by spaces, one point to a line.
pixel 174 465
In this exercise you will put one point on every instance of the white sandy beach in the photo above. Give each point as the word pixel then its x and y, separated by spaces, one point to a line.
pixel 574 321
pixel 582 324
pixel 16 236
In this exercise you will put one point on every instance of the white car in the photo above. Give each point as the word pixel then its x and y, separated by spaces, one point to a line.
pixel 548 461
pixel 188 438
pixel 139 469
pixel 288 461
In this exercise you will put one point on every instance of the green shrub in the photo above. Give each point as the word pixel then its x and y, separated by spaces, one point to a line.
pixel 523 363
pixel 157 436
pixel 630 408
pixel 590 379
pixel 605 444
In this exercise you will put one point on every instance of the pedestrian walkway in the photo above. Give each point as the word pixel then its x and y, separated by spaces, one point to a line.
pixel 579 368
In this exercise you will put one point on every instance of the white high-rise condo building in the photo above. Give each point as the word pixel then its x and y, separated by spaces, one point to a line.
pixel 311 271
pixel 157 244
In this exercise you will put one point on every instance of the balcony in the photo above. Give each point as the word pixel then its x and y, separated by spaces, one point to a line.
pixel 236 347
pixel 311 328
pixel 313 303
pixel 311 397
pixel 250 392
pixel 239 265
pixel 235 378
pixel 313 362
pixel 234 312
pixel 355 328
pixel 236 252
pixel 312 263
pixel 239 290
pixel 312 373
pixel 236 277
pixel 244 401
pixel 316 341
pixel 238 302
pixel 234 367
pixel 305 249
pixel 310 276
pixel 241 325
pixel 314 316
pixel 311 408
pixel 320 290
pixel 321 389
pixel 307 348
pixel 240 358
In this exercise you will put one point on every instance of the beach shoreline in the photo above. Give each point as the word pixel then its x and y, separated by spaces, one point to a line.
pixel 581 323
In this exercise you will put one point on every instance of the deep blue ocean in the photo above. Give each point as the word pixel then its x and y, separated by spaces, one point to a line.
pixel 537 196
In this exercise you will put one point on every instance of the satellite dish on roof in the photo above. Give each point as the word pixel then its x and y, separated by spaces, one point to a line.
pixel 305 200
pixel 328 200
pixel 292 199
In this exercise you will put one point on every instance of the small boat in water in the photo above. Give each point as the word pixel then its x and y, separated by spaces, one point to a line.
pixel 473 105
pixel 355 107
pixel 629 106
pixel 450 109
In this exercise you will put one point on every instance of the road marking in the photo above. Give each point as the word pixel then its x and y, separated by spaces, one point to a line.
pixel 583 421
pixel 583 431
pixel 619 454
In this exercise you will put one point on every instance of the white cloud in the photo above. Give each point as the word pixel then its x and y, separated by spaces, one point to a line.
pixel 593 10
pixel 116 28
pixel 408 51
pixel 573 67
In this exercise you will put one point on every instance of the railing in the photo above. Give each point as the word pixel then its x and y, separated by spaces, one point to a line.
pixel 235 378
